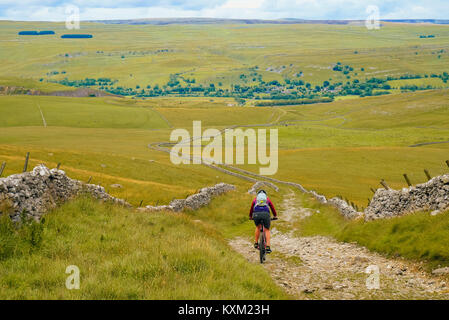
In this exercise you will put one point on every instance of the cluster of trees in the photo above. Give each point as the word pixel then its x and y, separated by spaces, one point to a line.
pixel 103 83
pixel 76 36
pixel 344 69
pixel 251 77
pixel 443 76
pixel 414 87
pixel 407 76
pixel 364 89
pixel 53 73
pixel 289 90
pixel 35 33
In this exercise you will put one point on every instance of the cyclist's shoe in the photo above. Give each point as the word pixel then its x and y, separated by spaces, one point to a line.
pixel 268 249
pixel 256 246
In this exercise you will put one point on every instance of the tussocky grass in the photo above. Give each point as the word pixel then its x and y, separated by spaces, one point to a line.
pixel 122 254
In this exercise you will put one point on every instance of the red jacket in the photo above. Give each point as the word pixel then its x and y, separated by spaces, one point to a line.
pixel 270 204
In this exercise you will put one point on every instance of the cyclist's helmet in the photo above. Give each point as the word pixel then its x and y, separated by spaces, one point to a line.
pixel 261 191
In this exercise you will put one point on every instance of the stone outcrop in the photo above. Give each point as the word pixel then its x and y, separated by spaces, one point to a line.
pixel 195 201
pixel 81 92
pixel 441 271
pixel 34 193
pixel 12 90
pixel 260 185
pixel 432 195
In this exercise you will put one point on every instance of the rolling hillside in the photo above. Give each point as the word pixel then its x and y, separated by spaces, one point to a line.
pixel 342 147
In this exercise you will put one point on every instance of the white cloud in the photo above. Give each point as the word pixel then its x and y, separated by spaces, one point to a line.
pixel 238 4
pixel 53 10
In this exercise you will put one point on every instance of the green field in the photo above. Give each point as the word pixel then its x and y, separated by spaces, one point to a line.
pixel 145 55
pixel 344 147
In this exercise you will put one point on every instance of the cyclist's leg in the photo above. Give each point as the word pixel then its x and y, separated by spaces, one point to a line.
pixel 267 225
pixel 257 222
pixel 257 233
pixel 267 236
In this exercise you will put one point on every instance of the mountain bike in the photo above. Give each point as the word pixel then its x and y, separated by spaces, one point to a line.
pixel 263 243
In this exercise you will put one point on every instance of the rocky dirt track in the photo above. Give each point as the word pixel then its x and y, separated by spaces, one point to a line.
pixel 322 268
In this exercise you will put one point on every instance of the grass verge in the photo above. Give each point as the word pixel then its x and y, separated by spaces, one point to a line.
pixel 124 254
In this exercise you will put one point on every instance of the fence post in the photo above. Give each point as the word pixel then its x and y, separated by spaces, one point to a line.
pixel 90 178
pixel 26 162
pixel 2 168
pixel 384 184
pixel 427 174
pixel 59 164
pixel 140 204
pixel 407 180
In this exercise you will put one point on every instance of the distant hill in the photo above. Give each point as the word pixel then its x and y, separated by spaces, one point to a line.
pixel 434 21
pixel 166 21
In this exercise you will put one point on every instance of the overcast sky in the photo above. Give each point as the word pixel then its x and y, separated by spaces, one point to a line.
pixel 54 10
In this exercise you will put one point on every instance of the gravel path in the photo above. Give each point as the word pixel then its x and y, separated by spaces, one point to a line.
pixel 321 268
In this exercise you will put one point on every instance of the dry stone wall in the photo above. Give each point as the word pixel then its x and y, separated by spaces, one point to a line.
pixel 195 201
pixel 34 193
pixel 432 195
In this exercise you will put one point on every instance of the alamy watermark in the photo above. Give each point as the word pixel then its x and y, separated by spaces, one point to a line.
pixel 189 149
pixel 72 20
pixel 372 22
pixel 73 280
pixel 373 280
